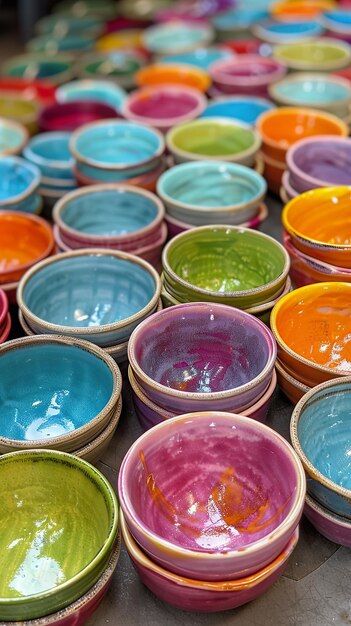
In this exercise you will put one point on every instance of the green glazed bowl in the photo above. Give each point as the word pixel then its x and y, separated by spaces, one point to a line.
pixel 58 527
pixel 225 264
pixel 321 55
pixel 214 138
pixel 57 69
pixel 118 66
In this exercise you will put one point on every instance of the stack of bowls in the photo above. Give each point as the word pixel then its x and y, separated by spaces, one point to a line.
pixel 119 217
pixel 282 127
pixel 24 240
pixel 20 110
pixel 58 69
pixel 19 185
pixel 225 264
pixel 202 542
pixel 247 74
pixel 178 36
pixel 211 192
pixel 312 328
pixel 316 236
pixel 92 91
pixel 68 116
pixel 64 501
pixel 92 294
pixel 5 317
pixel 13 137
pixel 37 414
pixel 117 151
pixel 320 434
pixel 321 55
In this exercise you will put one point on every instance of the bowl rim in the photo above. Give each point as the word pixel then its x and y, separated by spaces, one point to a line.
pixel 237 98
pixel 230 294
pixel 104 487
pixel 20 128
pixel 325 42
pixel 115 166
pixel 220 122
pixel 306 142
pixel 217 75
pixel 313 28
pixel 295 440
pixel 176 68
pixel 39 57
pixel 297 384
pixel 300 77
pixel 89 83
pixel 88 330
pixel 316 264
pixel 205 29
pixel 47 137
pixel 261 215
pixel 232 392
pixel 231 418
pixel 322 511
pixel 16 161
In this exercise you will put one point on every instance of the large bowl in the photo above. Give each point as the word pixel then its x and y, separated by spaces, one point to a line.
pixel 320 433
pixel 211 192
pixel 229 520
pixel 247 74
pixel 176 37
pixel 311 326
pixel 93 294
pixel 174 73
pixel 71 115
pixel 321 54
pixel 19 180
pixel 92 90
pixel 202 356
pixel 58 69
pixel 50 153
pixel 64 502
pixel 244 108
pixel 13 137
pixel 332 526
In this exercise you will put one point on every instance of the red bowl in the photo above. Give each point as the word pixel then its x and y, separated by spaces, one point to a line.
pixel 41 91
pixel 70 115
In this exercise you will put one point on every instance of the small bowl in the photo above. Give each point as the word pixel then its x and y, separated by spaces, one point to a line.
pixel 290 386
pixel 321 54
pixel 332 526
pixel 173 73
pixel 19 180
pixel 179 36
pixel 22 111
pixel 164 106
pixel 320 434
pixel 82 507
pixel 211 192
pixel 308 319
pixel 287 11
pixel 244 108
pixel 91 294
pixel 246 74
pixel 236 23
pixel 41 91
pixel 51 363
pixel 71 115
pixel 126 39
pixel 201 58
pixel 240 461
pixel 13 137
pixel 146 181
pixel 275 32
pixel 58 69
pixel 117 66
pixel 62 25
pixel 74 43
pixel 216 138
pixel 105 10
pixel 50 152
pixel 93 91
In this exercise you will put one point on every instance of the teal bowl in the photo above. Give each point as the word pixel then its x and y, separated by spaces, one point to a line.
pixel 176 37
pixel 57 69
pixel 95 90
pixel 50 153
pixel 72 43
pixel 19 181
pixel 63 25
pixel 118 67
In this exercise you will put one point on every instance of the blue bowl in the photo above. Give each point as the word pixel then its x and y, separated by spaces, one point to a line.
pixel 321 435
pixel 202 57
pixel 239 19
pixel 93 294
pixel 59 388
pixel 282 32
pixel 19 181
pixel 244 108
pixel 50 44
pixel 50 152
pixel 319 90
pixel 94 90
pixel 13 137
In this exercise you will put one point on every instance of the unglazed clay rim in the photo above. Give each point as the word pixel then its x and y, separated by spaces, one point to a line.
pixel 35 340
pixel 104 487
pixel 295 417
pixel 284 346
pixel 331 65
pixel 230 294
pixel 31 188
pixel 300 77
pixel 13 125
pixel 324 513
pixel 290 379
pixel 262 214
pixel 92 189
pixel 104 435
pixel 290 521
pixel 296 171
pixel 194 70
pixel 220 121
pixel 88 330
pixel 233 392
pixel 101 165
pixel 217 75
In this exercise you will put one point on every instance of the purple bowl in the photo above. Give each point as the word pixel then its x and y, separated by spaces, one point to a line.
pixel 197 595
pixel 202 356
pixel 70 115
pixel 230 517
pixel 323 161
pixel 289 189
pixel 330 525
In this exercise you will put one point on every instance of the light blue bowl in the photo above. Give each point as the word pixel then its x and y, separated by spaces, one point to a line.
pixel 59 25
pixel 93 90
pixel 321 434
pixel 202 57
pixel 70 43
pixel 239 19
pixel 244 108
pixel 13 137
pixel 19 181
pixel 59 387
pixel 281 32
pixel 312 90
pixel 50 152
pixel 94 295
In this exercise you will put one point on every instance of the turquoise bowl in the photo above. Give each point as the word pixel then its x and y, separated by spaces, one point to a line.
pixel 19 180
pixel 58 69
pixel 50 44
pixel 49 403
pixel 275 32
pixel 239 20
pixel 92 294
pixel 95 90
pixel 13 137
pixel 50 153
pixel 201 57
pixel 244 108
pixel 321 435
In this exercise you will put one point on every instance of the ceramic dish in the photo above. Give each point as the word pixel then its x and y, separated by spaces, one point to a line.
pixel 174 73
pixel 290 386
pixel 332 526
pixel 244 108
pixel 92 90
pixel 321 54
pixel 246 74
pixel 50 152
pixel 58 69
pixel 118 66
pixel 19 180
pixel 72 115
pixel 176 37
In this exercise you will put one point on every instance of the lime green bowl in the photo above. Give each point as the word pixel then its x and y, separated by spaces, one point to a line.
pixel 58 527
pixel 321 55
pixel 225 264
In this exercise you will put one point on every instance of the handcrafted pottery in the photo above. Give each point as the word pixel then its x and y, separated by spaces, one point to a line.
pixel 200 57
pixel 290 386
pixel 15 108
pixel 244 108
pixel 72 115
pixel 13 137
pixel 332 526
pixel 321 54
pixel 19 180
pixel 58 69
pixel 246 74
pixel 118 66
pixel 50 152
pixel 176 37
pixel 96 448
pixel 175 73
pixel 92 90
pixel 147 180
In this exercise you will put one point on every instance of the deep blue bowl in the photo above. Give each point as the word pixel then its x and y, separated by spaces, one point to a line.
pixel 244 108
pixel 19 181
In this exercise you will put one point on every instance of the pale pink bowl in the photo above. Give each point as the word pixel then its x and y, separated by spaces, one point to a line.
pixel 248 74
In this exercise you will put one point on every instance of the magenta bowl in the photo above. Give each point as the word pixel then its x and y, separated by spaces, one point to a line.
pixel 329 524
pixel 4 309
pixel 202 356
pixel 248 74
pixel 229 518
pixel 70 115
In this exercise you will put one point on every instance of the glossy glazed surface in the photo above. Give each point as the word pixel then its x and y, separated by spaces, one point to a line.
pixel 240 108
pixel 12 137
pixel 311 90
pixel 320 54
pixel 165 73
pixel 92 90
pixel 161 103
pixel 40 66
pixel 50 152
pixel 321 162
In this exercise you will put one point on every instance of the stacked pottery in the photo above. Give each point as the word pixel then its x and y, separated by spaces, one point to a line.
pixel 312 326
pixel 185 553
pixel 5 317
pixel 119 217
pixel 248 75
pixel 19 185
pixel 320 427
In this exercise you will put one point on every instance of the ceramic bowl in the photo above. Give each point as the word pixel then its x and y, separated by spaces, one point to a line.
pixel 62 25
pixel 332 526
pixel 71 43
pixel 58 69
pixel 96 448
pixel 164 106
pixel 216 138
pixel 50 152
pixel 129 38
pixel 244 108
pixel 117 66
pixel 211 192
pixel 92 90
pixel 200 57
pixel 287 11
pixel 36 412
pixel 71 115
pixel 276 31
pixel 116 150
pixel 90 294
pixel 282 127
pixel 246 74
pixel 321 54
pixel 273 173
pixel 174 73
pixel 19 180
pixel 236 23
pixel 81 8
pixel 316 222
pixel 13 137
pixel 290 386
pixel 42 91
pixel 337 21
pixel 15 108
pixel 311 327
pixel 320 434
pixel 109 215
pixel 82 508
pixel 240 462
pixel 175 363
pixel 176 37
pixel 146 181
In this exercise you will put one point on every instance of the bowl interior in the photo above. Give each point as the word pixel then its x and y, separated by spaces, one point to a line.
pixel 88 290
pixel 312 90
pixel 326 161
pixel 22 241
pixel 51 147
pixel 163 103
pixel 212 139
pixel 243 488
pixel 16 177
pixel 38 68
pixel 286 127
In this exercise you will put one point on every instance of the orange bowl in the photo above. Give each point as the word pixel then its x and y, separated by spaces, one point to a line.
pixel 273 173
pixel 173 73
pixel 290 386
pixel 300 9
